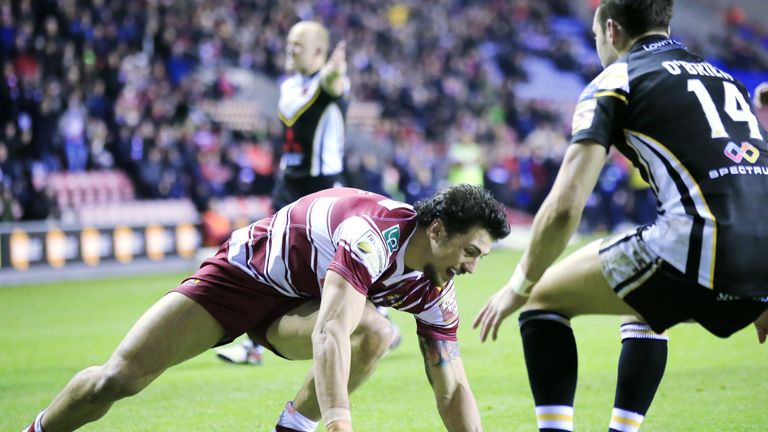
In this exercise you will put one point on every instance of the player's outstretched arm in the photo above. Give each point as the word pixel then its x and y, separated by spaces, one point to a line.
pixel 445 372
pixel 341 307
pixel 333 74
pixel 553 226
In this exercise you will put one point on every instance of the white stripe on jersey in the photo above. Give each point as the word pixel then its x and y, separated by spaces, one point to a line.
pixel 433 312
pixel 239 250
pixel 328 143
pixel 674 226
pixel 393 280
pixel 274 264
pixel 320 236
pixel 416 301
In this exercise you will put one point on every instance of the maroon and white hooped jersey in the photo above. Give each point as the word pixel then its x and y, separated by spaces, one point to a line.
pixel 361 236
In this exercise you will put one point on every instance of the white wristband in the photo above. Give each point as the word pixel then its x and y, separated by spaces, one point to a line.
pixel 520 284
pixel 334 414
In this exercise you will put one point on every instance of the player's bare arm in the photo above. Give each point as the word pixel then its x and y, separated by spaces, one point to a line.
pixel 553 226
pixel 445 372
pixel 341 308
pixel 333 73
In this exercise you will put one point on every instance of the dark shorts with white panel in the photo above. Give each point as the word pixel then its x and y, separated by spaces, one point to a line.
pixel 663 295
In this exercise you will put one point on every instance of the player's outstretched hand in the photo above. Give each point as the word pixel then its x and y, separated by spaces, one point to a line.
pixel 761 325
pixel 337 62
pixel 501 305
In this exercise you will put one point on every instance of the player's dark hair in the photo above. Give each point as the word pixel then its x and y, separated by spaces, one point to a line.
pixel 462 207
pixel 637 16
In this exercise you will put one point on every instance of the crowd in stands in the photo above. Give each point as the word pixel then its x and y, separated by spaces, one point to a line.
pixel 126 85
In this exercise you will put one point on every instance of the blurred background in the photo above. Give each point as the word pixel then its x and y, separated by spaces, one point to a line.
pixel 139 131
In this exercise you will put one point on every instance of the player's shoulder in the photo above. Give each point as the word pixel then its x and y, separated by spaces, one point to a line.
pixel 372 203
pixel 615 76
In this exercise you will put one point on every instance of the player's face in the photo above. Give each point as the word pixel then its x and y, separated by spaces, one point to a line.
pixel 301 51
pixel 605 50
pixel 456 254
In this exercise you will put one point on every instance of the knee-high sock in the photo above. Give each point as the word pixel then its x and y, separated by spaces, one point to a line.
pixel 641 367
pixel 550 355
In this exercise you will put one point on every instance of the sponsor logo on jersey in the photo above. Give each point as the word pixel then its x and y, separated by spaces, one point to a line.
pixel 663 45
pixel 448 307
pixel 393 300
pixel 583 115
pixel 738 153
pixel 392 237
pixel 746 152
pixel 371 250
pixel 365 247
pixel 613 81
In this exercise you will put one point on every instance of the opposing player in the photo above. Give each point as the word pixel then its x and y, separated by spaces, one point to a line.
pixel 304 283
pixel 688 127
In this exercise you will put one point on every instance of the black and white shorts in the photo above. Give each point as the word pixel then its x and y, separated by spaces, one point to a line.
pixel 663 296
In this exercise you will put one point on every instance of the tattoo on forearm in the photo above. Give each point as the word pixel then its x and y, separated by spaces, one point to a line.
pixel 437 353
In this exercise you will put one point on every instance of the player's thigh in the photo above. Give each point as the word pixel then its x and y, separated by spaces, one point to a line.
pixel 173 330
pixel 576 286
pixel 291 334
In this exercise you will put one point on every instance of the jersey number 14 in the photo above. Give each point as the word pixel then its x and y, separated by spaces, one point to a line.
pixel 735 106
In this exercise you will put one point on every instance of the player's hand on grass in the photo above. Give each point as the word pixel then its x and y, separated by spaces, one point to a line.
pixel 501 305
pixel 761 325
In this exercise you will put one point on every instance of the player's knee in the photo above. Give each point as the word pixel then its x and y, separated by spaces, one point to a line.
pixel 374 337
pixel 118 381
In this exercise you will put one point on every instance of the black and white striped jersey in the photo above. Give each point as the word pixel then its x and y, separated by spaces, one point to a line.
pixel 690 130
pixel 313 127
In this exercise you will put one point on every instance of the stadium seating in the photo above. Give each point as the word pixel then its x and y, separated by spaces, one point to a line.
pixel 107 197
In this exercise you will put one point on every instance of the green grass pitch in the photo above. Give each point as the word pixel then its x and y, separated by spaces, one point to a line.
pixel 49 332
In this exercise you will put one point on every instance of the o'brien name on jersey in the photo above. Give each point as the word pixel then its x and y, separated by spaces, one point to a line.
pixel 676 67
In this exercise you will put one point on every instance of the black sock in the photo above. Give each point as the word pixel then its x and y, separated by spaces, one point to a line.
pixel 550 355
pixel 641 367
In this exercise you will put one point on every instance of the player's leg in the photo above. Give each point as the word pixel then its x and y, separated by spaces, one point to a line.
pixel 291 337
pixel 244 352
pixel 641 367
pixel 250 352
pixel 396 336
pixel 574 286
pixel 173 330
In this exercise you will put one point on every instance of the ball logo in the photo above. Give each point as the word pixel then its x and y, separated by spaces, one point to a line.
pixel 737 154
pixel 364 247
